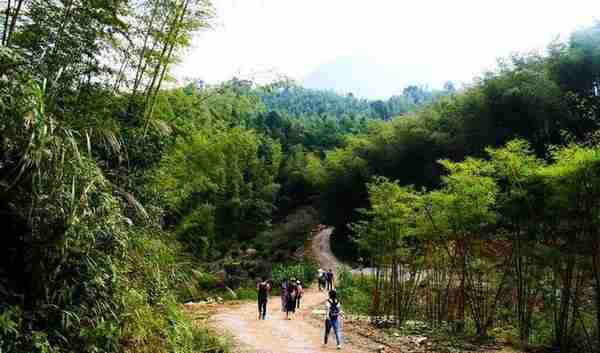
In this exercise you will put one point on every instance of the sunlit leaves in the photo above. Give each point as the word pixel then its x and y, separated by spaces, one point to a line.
pixel 231 171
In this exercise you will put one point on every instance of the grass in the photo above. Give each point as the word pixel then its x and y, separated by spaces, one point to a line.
pixel 247 294
pixel 355 293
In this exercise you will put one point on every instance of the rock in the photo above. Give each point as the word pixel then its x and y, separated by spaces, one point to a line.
pixel 193 305
pixel 419 340
pixel 219 300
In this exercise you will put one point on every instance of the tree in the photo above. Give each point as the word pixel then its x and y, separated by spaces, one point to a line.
pixel 515 167
pixel 388 239
pixel 449 87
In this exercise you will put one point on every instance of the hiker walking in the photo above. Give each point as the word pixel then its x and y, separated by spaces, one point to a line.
pixel 263 289
pixel 299 293
pixel 321 279
pixel 333 315
pixel 329 279
pixel 290 300
pixel 284 292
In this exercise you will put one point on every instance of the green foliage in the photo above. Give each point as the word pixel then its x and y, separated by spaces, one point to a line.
pixel 279 243
pixel 532 97
pixel 392 216
pixel 289 99
pixel 112 190
pixel 247 294
pixel 222 183
pixel 303 173
pixel 354 293
pixel 205 280
pixel 10 323
pixel 80 275
pixel 160 276
pixel 509 223
pixel 306 272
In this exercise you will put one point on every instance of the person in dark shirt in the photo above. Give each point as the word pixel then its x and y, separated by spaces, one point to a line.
pixel 333 314
pixel 284 287
pixel 329 278
pixel 263 289
pixel 290 303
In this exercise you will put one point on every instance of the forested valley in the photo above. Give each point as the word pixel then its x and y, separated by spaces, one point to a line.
pixel 124 195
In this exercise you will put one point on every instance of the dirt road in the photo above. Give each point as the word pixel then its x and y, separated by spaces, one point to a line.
pixel 321 250
pixel 302 334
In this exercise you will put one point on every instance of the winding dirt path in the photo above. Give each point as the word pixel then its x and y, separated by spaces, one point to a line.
pixel 321 250
pixel 302 334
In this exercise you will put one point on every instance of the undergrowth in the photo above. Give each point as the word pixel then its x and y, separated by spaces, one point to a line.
pixel 355 292
pixel 304 271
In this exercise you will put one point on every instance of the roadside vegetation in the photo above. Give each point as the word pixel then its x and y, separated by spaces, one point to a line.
pixel 478 213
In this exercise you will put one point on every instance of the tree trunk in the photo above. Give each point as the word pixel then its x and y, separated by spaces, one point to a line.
pixel 165 58
pixel 139 73
pixel 596 274
pixel 461 289
pixel 7 19
pixel 13 22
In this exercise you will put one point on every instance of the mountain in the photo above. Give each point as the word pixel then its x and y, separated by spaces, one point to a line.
pixel 362 76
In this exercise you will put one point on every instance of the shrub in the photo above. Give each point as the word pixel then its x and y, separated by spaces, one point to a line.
pixel 304 271
pixel 10 321
pixel 279 243
pixel 205 280
pixel 354 293
pixel 247 294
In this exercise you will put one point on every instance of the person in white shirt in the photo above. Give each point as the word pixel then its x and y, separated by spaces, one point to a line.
pixel 299 293
pixel 321 278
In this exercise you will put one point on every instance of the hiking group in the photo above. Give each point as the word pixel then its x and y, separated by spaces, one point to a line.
pixel 325 279
pixel 291 293
pixel 292 290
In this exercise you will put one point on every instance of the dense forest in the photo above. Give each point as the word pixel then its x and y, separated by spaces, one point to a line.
pixel 478 211
pixel 120 198
pixel 117 195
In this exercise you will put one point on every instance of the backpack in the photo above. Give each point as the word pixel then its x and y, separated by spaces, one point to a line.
pixel 262 291
pixel 334 309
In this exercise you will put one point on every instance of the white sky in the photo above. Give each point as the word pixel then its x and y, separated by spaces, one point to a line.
pixel 442 39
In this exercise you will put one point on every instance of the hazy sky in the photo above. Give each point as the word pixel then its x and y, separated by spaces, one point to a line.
pixel 437 40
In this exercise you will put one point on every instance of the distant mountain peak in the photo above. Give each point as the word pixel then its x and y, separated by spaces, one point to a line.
pixel 364 77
